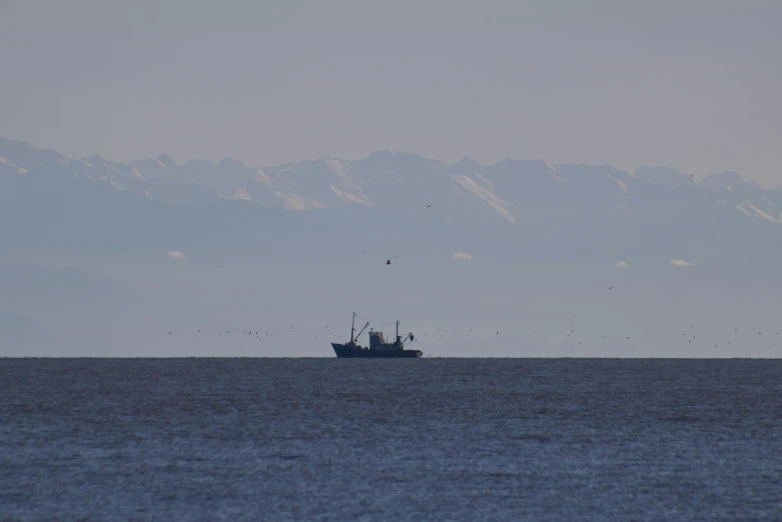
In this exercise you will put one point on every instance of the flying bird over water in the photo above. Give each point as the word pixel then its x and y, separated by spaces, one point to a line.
pixel 388 262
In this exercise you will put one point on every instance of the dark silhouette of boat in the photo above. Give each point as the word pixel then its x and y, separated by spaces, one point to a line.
pixel 378 347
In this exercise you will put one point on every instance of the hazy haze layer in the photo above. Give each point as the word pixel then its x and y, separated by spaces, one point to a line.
pixel 516 258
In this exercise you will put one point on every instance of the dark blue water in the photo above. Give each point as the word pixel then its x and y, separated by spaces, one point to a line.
pixel 328 439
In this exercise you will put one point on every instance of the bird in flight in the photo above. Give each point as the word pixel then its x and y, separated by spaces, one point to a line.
pixel 610 287
pixel 427 206
pixel 388 262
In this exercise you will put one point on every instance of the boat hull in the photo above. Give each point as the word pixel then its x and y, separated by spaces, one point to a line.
pixel 354 351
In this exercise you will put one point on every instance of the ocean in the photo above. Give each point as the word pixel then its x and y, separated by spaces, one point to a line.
pixel 428 439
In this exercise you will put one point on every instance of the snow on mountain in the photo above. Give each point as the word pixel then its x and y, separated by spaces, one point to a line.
pixel 240 195
pixel 352 190
pixel 465 194
pixel 19 170
pixel 751 210
pixel 485 191
pixel 296 202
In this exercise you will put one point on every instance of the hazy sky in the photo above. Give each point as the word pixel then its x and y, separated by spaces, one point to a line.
pixel 690 84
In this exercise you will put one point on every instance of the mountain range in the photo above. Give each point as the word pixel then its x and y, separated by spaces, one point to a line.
pixel 525 208
pixel 388 179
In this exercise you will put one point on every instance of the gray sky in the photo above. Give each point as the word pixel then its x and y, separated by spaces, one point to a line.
pixel 690 84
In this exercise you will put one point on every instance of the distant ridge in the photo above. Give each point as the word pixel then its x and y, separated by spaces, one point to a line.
pixel 387 179
pixel 513 209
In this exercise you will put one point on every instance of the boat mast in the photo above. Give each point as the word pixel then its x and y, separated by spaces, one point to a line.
pixel 397 331
pixel 352 327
